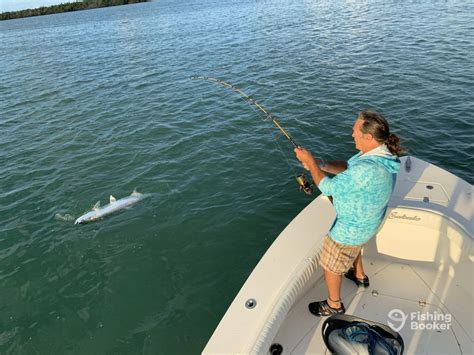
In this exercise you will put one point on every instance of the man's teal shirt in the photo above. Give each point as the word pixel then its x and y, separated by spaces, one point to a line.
pixel 361 194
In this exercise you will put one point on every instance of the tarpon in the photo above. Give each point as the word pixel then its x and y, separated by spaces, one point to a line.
pixel 114 206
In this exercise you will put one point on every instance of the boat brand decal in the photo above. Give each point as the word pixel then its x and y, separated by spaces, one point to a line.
pixel 395 215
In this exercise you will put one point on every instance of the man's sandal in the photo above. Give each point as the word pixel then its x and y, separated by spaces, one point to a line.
pixel 350 274
pixel 323 309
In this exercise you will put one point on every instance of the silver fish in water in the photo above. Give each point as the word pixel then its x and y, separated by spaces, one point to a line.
pixel 114 206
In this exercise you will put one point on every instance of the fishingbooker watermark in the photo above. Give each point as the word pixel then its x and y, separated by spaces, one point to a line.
pixel 419 320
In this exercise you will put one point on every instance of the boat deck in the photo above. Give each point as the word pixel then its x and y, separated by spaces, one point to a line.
pixel 410 287
pixel 420 265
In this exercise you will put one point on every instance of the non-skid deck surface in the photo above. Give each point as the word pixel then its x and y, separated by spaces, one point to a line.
pixel 393 286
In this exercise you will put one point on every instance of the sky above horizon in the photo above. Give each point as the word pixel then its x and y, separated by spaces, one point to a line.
pixel 15 5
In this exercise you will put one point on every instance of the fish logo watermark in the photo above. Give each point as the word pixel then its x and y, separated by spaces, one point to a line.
pixel 419 320
pixel 397 315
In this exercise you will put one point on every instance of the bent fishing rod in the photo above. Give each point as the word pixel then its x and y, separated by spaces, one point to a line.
pixel 303 183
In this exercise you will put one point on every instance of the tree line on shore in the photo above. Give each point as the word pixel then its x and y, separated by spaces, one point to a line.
pixel 65 7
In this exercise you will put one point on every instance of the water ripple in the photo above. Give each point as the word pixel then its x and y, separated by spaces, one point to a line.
pixel 99 102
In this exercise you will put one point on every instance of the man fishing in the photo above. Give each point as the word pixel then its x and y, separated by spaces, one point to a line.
pixel 361 189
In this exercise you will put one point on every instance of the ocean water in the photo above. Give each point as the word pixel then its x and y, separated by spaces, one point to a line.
pixel 99 102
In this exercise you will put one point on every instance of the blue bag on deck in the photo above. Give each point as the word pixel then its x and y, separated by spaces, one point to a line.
pixel 347 334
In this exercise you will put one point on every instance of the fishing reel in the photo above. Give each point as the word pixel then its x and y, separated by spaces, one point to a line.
pixel 304 184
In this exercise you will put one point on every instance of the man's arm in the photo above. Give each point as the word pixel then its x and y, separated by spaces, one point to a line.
pixel 310 164
pixel 332 166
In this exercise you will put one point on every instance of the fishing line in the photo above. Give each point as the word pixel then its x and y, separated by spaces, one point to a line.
pixel 300 178
pixel 276 141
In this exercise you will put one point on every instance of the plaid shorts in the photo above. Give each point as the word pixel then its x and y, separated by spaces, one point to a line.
pixel 337 258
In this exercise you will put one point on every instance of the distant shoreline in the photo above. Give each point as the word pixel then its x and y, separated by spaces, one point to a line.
pixel 66 7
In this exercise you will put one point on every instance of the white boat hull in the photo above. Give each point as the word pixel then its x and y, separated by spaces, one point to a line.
pixel 420 262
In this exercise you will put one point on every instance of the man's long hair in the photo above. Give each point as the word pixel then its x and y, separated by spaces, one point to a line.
pixel 377 126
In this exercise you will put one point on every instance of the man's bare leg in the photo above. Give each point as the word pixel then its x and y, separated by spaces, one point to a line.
pixel 333 283
pixel 358 267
